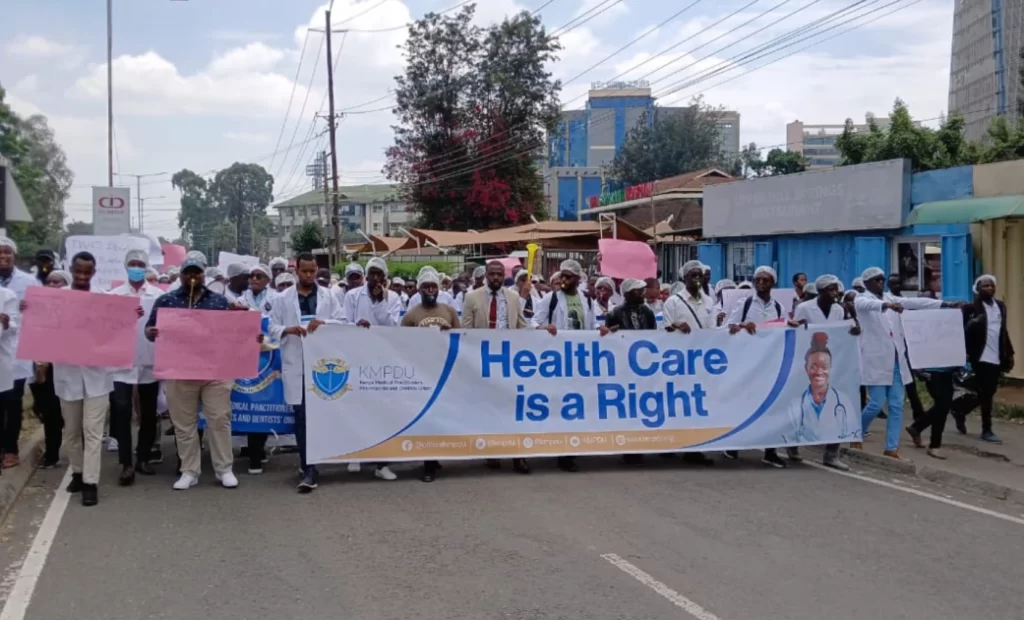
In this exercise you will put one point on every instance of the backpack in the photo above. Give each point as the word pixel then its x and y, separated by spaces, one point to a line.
pixel 750 300
pixel 554 304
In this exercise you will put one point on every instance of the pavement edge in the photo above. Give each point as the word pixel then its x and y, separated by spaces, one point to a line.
pixel 12 481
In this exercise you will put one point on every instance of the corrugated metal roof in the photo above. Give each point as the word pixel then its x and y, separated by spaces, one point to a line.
pixel 351 193
pixel 967 210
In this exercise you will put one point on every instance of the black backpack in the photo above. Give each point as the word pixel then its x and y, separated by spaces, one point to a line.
pixel 749 301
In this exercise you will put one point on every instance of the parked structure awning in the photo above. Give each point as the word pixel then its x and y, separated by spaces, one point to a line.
pixel 967 210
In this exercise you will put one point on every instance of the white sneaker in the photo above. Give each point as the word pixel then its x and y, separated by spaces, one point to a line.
pixel 186 482
pixel 111 445
pixel 255 471
pixel 227 480
pixel 354 468
pixel 385 473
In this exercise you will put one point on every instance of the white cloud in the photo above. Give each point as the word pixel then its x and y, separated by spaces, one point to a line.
pixel 27 85
pixel 255 57
pixel 246 36
pixel 246 137
pixel 609 11
pixel 68 55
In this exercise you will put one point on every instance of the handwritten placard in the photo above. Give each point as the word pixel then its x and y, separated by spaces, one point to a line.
pixel 109 252
pixel 62 326
pixel 734 296
pixel 935 338
pixel 627 259
pixel 224 259
pixel 206 344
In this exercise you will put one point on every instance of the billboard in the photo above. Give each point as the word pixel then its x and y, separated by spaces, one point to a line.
pixel 863 197
pixel 111 210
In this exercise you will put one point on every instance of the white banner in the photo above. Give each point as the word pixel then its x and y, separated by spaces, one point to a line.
pixel 226 258
pixel 924 349
pixel 109 252
pixel 111 210
pixel 394 394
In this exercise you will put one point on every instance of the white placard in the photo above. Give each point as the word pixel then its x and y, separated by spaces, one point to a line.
pixel 226 258
pixel 935 338
pixel 111 210
pixel 733 296
pixel 109 252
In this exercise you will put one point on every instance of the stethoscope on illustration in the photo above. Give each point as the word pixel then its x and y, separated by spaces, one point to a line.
pixel 839 411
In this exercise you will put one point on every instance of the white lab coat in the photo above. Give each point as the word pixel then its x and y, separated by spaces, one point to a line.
pixel 8 338
pixel 248 299
pixel 703 315
pixel 881 340
pixel 20 282
pixel 358 307
pixel 560 319
pixel 826 424
pixel 443 297
pixel 138 375
pixel 285 313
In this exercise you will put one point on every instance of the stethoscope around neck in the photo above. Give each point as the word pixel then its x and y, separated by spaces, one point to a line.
pixel 839 410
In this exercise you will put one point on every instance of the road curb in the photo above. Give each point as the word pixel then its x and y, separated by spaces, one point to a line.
pixel 30 451
pixel 932 474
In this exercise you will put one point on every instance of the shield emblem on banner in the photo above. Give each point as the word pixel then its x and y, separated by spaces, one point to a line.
pixel 330 378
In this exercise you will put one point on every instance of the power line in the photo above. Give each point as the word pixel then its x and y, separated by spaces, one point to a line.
pixel 406 25
pixel 291 97
pixel 309 88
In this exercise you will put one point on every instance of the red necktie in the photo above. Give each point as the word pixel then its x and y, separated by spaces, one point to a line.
pixel 492 316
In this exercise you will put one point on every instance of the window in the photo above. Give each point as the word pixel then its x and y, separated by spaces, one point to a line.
pixel 314 211
pixel 286 212
pixel 376 227
pixel 918 264
pixel 397 208
pixel 300 211
pixel 739 263
pixel 377 208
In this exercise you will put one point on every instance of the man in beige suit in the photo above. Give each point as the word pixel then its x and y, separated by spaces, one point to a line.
pixel 493 306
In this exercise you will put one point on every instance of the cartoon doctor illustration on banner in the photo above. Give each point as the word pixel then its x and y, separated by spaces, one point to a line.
pixel 822 412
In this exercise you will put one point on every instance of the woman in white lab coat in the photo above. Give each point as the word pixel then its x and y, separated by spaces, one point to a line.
pixel 883 350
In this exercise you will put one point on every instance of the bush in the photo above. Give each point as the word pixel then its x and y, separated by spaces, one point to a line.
pixel 408 269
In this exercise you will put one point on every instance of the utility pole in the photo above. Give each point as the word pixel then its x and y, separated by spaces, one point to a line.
pixel 334 145
pixel 110 96
pixel 138 189
pixel 327 186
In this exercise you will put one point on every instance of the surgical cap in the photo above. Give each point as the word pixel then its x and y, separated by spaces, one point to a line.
pixel 666 287
pixel 264 269
pixel 721 285
pixel 353 268
pixel 765 270
pixel 141 255
pixel 285 278
pixel 871 273
pixel 810 289
pixel 377 263
pixel 479 272
pixel 605 281
pixel 824 281
pixel 238 269
pixel 426 268
pixel 693 265
pixel 745 285
pixel 632 284
pixel 857 282
pixel 571 266
pixel 152 272
pixel 398 281
pixel 212 273
pixel 7 242
pixel 982 278
pixel 59 272
pixel 278 262
pixel 427 277
pixel 172 271
pixel 520 275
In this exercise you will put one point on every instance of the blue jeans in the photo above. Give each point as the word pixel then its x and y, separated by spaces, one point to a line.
pixel 893 395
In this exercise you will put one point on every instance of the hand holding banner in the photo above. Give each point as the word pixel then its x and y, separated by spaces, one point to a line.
pixel 62 326
pixel 206 344
pixel 627 259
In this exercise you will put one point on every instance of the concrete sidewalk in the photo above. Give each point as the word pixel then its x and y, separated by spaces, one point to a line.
pixel 973 465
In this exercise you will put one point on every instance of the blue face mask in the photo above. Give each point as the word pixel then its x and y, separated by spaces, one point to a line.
pixel 136 274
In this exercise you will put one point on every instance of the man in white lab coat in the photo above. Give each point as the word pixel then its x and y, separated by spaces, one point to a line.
pixel 884 368
pixel 17 281
pixel 373 305
pixel 299 310
pixel 140 377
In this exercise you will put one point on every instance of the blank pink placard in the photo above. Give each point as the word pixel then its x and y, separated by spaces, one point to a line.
pixel 510 264
pixel 627 259
pixel 62 326
pixel 206 344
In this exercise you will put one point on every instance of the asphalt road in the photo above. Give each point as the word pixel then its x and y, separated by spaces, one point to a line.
pixel 661 541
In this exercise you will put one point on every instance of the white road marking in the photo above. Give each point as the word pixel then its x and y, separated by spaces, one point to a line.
pixel 919 493
pixel 674 597
pixel 21 594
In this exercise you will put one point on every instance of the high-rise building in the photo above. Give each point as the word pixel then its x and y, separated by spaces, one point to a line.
pixel 817 143
pixel 984 78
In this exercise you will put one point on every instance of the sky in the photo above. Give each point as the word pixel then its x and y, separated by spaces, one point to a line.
pixel 201 84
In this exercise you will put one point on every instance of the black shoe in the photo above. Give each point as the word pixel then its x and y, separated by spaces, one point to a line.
pixel 961 423
pixel 568 463
pixel 521 466
pixel 49 464
pixel 633 459
pixel 127 478
pixel 772 459
pixel 309 481
pixel 169 432
pixel 493 464
pixel 145 469
pixel 90 495
pixel 75 486
pixel 883 415
pixel 732 455
pixel 697 458
pixel 156 456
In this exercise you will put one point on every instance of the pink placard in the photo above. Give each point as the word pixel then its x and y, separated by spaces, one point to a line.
pixel 627 259
pixel 206 344
pixel 510 264
pixel 163 286
pixel 174 255
pixel 62 326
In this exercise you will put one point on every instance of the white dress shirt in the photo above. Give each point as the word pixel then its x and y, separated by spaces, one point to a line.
pixel 760 312
pixel 359 307
pixel 811 312
pixel 137 375
pixel 696 311
pixel 995 322
pixel 443 297
pixel 20 282
pixel 8 337
pixel 501 321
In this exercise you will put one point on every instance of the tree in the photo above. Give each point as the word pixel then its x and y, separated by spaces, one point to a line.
pixel 308 238
pixel 926 148
pixel 39 168
pixel 778 162
pixel 472 107
pixel 674 143
pixel 78 228
pixel 753 163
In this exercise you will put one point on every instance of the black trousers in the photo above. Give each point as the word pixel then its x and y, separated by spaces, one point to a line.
pixel 46 406
pixel 940 387
pixel 256 448
pixel 915 402
pixel 988 383
pixel 121 420
pixel 300 431
pixel 10 417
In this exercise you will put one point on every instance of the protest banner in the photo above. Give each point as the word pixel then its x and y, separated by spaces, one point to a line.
pixel 925 348
pixel 109 252
pixel 174 255
pixel 227 258
pixel 62 326
pixel 413 394
pixel 733 296
pixel 627 259
pixel 509 264
pixel 206 344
